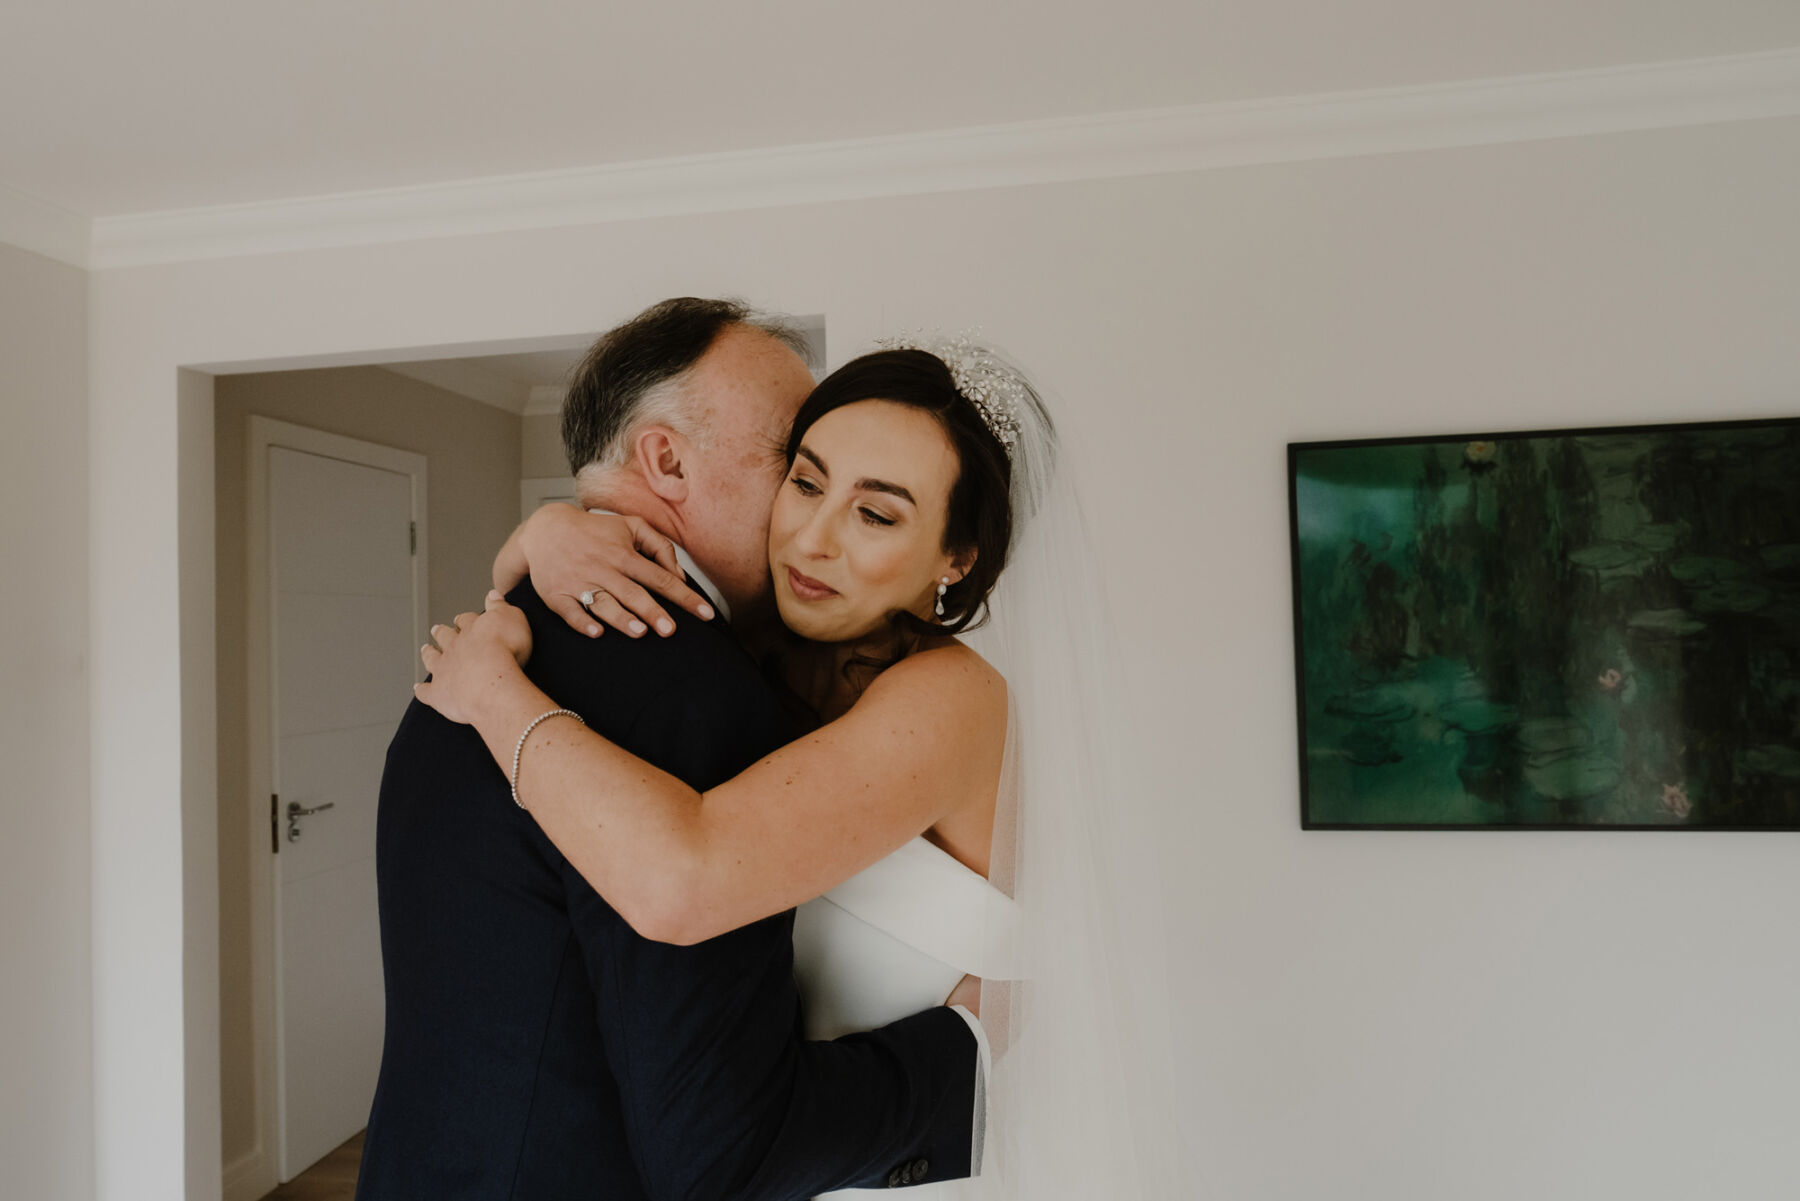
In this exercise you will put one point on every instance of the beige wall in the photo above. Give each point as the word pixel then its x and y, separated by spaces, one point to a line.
pixel 472 503
pixel 46 980
pixel 540 447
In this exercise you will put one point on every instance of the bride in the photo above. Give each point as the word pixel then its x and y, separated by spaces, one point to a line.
pixel 914 475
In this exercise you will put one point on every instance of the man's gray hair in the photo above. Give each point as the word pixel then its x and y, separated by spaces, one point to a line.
pixel 636 375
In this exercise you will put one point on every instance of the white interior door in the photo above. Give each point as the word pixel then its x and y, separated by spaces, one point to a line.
pixel 342 643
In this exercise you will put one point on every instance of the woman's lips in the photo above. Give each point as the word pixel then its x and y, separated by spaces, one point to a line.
pixel 807 588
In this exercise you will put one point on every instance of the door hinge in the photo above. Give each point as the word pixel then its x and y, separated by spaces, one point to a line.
pixel 412 536
pixel 274 823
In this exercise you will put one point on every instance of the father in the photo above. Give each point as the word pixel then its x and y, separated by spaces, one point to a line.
pixel 538 1048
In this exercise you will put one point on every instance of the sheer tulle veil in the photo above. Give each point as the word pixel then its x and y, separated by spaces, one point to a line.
pixel 1082 1089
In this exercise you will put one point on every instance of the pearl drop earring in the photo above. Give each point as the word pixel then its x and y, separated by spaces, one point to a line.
pixel 943 587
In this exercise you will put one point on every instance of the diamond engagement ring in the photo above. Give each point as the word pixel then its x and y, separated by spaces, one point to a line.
pixel 587 598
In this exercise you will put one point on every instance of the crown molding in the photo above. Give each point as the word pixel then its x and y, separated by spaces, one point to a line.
pixel 42 228
pixel 1193 138
pixel 546 400
pixel 467 379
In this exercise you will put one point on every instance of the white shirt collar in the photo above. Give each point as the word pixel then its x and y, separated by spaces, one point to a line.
pixel 693 569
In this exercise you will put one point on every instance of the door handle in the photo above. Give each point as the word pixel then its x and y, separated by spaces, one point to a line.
pixel 295 811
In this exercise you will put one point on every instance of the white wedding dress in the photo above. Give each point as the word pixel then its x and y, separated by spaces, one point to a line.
pixel 893 940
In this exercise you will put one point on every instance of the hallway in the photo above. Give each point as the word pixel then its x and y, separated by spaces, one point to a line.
pixel 331 1179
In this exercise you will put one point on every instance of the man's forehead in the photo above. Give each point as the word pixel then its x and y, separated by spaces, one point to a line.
pixel 746 357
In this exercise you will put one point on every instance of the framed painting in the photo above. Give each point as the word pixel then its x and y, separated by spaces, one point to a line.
pixel 1566 629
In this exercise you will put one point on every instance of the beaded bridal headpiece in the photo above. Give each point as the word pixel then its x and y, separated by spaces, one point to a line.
pixel 998 392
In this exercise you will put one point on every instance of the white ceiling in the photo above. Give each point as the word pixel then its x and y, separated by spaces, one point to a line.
pixel 537 368
pixel 117 106
pixel 527 382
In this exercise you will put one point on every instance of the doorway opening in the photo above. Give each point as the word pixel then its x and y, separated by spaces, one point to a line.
pixel 353 506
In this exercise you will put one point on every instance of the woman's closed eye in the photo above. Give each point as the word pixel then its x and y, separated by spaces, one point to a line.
pixel 808 487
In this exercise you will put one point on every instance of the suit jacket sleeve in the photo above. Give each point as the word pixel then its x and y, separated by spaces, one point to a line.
pixel 723 1096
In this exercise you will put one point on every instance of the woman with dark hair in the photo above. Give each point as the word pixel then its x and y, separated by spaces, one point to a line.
pixel 913 475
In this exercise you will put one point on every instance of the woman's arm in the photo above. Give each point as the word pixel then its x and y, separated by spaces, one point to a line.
pixel 622 559
pixel 683 866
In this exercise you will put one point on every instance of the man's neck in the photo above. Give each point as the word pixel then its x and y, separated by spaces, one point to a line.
pixel 628 495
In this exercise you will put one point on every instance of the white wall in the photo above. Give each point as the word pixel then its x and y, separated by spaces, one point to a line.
pixel 46 1094
pixel 1475 1015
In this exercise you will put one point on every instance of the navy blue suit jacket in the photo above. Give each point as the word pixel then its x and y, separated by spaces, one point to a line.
pixel 538 1048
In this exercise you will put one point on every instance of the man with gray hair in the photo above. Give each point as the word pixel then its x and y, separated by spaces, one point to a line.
pixel 538 1047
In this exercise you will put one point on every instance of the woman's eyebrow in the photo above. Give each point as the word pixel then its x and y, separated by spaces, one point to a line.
pixel 867 485
pixel 863 485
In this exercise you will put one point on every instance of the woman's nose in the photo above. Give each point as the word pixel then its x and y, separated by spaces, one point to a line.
pixel 818 538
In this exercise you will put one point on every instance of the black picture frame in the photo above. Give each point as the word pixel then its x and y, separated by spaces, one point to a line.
pixel 1582 628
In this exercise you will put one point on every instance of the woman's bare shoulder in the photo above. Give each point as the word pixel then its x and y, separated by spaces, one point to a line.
pixel 951 675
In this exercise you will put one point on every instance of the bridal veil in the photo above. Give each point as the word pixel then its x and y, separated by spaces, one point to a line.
pixel 1082 1094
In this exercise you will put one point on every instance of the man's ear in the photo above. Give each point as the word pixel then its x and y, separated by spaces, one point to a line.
pixel 660 452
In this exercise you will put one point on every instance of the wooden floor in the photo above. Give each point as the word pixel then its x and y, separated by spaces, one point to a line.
pixel 331 1179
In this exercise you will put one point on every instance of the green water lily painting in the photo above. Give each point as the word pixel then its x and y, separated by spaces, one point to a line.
pixel 1570 629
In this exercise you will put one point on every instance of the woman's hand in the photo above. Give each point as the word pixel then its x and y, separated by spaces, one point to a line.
pixel 618 560
pixel 478 652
